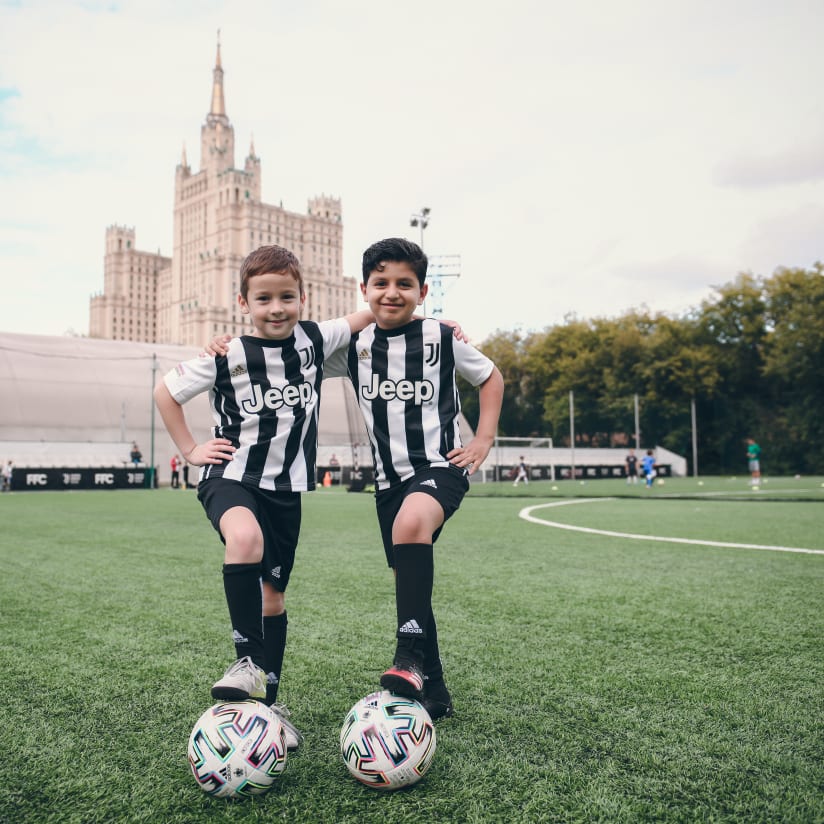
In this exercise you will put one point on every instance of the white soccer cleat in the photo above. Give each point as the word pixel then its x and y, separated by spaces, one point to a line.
pixel 241 681
pixel 293 736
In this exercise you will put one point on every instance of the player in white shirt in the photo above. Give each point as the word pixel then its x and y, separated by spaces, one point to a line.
pixel 265 395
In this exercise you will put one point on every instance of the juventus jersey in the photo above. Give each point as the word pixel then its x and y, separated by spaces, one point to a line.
pixel 265 398
pixel 405 383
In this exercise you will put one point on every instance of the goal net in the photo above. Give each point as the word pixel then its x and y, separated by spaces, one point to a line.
pixel 507 454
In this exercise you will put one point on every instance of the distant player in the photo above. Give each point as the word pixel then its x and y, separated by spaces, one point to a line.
pixel 648 467
pixel 265 394
pixel 754 462
pixel 631 464
pixel 404 374
pixel 521 473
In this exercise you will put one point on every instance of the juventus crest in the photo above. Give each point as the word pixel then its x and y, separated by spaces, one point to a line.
pixel 307 356
pixel 431 353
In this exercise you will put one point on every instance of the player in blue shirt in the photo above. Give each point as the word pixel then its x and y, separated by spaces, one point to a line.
pixel 648 467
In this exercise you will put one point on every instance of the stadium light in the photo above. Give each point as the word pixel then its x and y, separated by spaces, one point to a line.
pixel 420 219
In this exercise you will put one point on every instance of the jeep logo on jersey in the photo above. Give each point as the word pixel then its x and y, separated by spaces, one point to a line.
pixel 292 395
pixel 405 390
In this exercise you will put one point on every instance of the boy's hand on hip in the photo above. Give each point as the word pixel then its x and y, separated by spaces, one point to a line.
pixel 469 457
pixel 214 451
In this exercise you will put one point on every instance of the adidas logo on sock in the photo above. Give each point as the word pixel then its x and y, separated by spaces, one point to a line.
pixel 271 678
pixel 237 638
pixel 411 627
pixel 429 482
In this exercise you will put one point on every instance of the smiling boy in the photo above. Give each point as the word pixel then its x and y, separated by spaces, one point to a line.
pixel 404 371
pixel 265 396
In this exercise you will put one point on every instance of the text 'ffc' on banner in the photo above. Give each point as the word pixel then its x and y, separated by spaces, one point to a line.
pixel 51 478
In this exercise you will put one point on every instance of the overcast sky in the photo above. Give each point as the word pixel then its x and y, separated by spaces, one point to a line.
pixel 581 158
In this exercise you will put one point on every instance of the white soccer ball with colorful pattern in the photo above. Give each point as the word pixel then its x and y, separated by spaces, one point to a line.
pixel 387 741
pixel 237 749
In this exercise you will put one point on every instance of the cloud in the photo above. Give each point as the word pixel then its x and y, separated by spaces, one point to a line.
pixel 569 152
pixel 791 238
pixel 799 164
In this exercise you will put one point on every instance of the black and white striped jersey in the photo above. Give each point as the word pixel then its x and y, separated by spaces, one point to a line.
pixel 405 383
pixel 265 398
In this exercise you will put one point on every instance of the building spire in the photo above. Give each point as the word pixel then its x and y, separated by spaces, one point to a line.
pixel 218 108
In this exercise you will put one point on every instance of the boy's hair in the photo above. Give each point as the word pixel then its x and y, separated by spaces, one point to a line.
pixel 396 249
pixel 268 259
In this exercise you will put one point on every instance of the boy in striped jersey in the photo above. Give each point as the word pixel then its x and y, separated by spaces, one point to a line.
pixel 403 371
pixel 265 395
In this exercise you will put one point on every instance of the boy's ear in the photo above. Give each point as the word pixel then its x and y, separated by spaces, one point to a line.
pixel 363 289
pixel 241 302
pixel 424 290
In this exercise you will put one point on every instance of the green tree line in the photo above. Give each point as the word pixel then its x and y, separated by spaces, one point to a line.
pixel 751 356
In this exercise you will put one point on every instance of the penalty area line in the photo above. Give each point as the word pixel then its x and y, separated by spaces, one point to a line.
pixel 526 514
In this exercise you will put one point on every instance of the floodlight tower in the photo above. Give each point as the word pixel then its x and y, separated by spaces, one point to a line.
pixel 420 219
pixel 441 267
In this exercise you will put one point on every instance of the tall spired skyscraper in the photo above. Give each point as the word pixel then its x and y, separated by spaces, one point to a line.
pixel 218 219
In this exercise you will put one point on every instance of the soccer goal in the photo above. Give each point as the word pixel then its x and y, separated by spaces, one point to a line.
pixel 506 456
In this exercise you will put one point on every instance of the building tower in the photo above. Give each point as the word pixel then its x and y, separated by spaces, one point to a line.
pixel 218 219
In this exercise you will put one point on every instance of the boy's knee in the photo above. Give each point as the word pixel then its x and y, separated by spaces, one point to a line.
pixel 244 545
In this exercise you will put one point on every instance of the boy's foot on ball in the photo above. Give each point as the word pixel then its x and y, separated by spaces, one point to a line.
pixel 241 681
pixel 404 678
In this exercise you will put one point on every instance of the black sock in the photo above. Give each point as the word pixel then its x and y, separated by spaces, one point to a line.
pixel 432 666
pixel 274 642
pixel 414 573
pixel 241 583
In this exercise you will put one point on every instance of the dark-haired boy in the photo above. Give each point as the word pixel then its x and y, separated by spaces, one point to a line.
pixel 403 371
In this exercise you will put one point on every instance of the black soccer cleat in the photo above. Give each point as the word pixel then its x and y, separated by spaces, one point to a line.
pixel 436 700
pixel 404 678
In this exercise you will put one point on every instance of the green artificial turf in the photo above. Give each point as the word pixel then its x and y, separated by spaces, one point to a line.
pixel 595 678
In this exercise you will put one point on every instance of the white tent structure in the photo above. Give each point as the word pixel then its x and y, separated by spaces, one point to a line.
pixel 81 402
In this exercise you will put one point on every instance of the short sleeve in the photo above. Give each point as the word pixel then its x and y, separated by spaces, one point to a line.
pixel 336 335
pixel 471 364
pixel 190 378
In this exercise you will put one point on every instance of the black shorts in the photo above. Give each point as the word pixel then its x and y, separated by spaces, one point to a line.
pixel 446 485
pixel 278 514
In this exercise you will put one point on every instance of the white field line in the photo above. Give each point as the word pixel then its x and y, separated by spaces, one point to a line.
pixel 526 514
pixel 738 494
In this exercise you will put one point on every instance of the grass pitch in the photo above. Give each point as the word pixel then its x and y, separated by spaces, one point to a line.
pixel 595 678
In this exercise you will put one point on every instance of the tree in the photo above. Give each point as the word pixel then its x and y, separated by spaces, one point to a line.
pixel 794 368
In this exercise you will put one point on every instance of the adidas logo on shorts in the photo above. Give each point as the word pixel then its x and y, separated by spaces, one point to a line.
pixel 429 482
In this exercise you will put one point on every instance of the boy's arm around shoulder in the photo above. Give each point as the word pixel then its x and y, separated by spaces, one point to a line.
pixel 490 397
pixel 359 320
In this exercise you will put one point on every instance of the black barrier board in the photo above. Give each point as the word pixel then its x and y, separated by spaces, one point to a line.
pixel 51 478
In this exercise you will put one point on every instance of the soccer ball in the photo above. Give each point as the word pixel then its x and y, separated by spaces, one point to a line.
pixel 237 749
pixel 387 741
